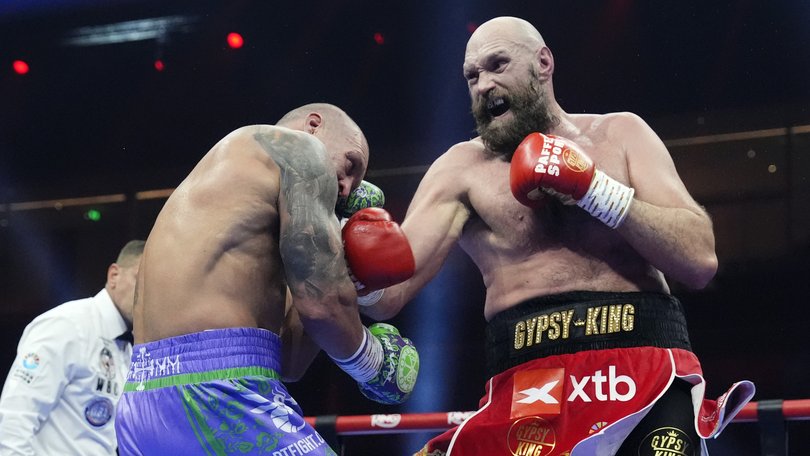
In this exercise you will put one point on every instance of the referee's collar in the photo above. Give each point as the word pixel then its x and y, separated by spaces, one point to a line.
pixel 113 324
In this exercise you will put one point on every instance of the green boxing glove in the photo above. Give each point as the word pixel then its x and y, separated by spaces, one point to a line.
pixel 365 195
pixel 385 366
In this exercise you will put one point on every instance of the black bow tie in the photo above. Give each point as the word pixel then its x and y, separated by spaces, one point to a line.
pixel 127 337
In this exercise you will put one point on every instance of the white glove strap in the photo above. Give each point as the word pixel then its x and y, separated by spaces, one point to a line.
pixel 371 298
pixel 366 362
pixel 607 199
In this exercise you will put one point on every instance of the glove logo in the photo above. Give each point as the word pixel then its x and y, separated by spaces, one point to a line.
pixel 364 196
pixel 574 161
pixel 548 160
pixel 408 368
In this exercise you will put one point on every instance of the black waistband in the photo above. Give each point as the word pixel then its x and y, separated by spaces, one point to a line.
pixel 583 320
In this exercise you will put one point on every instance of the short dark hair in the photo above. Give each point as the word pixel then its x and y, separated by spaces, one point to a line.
pixel 131 252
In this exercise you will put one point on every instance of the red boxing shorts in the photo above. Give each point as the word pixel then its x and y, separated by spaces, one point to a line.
pixel 577 374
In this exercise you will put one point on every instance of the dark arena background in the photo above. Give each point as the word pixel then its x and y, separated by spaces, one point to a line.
pixel 115 102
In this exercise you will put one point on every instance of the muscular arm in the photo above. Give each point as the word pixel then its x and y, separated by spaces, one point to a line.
pixel 298 349
pixel 310 243
pixel 433 225
pixel 665 225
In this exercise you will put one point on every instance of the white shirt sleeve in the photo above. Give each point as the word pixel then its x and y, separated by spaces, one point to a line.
pixel 41 370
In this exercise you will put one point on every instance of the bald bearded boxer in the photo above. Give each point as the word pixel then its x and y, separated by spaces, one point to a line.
pixel 253 224
pixel 574 220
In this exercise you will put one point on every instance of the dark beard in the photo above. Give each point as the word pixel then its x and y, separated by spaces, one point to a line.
pixel 530 114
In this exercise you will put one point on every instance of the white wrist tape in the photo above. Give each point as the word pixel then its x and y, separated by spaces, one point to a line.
pixel 607 199
pixel 371 298
pixel 366 362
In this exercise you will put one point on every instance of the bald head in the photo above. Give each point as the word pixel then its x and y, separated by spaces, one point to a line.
pixel 300 113
pixel 345 143
pixel 326 117
pixel 508 29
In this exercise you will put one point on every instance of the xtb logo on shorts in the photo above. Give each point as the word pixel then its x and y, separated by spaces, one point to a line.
pixel 541 391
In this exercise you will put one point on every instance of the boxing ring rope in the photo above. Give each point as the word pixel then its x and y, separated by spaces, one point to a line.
pixel 791 410
pixel 771 414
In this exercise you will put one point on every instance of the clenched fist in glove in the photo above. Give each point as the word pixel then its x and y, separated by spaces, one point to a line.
pixel 365 195
pixel 385 366
pixel 377 251
pixel 558 166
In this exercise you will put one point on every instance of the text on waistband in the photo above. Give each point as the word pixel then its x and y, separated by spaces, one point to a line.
pixel 607 319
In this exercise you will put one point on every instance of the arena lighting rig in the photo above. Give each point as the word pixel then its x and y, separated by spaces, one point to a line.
pixel 157 28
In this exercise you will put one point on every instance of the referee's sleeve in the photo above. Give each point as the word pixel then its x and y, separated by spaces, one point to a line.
pixel 41 370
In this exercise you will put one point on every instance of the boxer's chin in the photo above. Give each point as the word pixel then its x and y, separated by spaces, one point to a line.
pixel 503 135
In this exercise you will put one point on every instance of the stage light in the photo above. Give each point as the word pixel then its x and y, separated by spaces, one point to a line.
pixel 159 66
pixel 157 28
pixel 235 40
pixel 92 215
pixel 20 67
pixel 379 38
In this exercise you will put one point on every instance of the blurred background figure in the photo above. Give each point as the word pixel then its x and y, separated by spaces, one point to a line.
pixel 70 369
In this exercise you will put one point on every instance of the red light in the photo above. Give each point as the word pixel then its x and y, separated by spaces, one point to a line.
pixel 471 27
pixel 20 67
pixel 159 66
pixel 379 38
pixel 235 40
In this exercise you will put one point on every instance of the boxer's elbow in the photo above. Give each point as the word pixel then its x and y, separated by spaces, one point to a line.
pixel 319 312
pixel 701 273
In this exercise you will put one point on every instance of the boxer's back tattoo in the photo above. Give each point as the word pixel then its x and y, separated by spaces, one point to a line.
pixel 308 240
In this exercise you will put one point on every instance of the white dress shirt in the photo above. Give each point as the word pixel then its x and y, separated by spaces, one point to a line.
pixel 60 395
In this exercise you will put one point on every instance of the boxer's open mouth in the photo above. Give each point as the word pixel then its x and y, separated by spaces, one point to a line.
pixel 497 106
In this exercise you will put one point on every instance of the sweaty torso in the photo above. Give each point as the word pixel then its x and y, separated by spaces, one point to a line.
pixel 524 253
pixel 212 259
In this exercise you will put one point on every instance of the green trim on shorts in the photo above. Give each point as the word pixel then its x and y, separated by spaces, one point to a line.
pixel 197 422
pixel 201 377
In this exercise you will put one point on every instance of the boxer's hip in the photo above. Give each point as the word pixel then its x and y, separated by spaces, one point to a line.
pixel 581 321
pixel 204 356
pixel 212 392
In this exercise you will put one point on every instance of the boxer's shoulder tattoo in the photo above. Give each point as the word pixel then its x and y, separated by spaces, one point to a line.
pixel 308 241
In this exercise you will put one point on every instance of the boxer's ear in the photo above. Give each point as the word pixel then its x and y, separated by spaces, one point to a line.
pixel 313 122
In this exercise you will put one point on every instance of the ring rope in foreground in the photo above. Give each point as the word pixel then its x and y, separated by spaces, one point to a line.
pixel 792 410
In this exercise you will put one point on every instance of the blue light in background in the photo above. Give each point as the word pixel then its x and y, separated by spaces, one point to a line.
pixel 442 86
pixel 438 311
pixel 26 7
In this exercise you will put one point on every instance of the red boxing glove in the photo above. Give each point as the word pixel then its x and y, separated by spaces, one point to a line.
pixel 546 161
pixel 551 164
pixel 377 251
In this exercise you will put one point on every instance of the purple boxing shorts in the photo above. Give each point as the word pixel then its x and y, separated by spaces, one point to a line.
pixel 215 392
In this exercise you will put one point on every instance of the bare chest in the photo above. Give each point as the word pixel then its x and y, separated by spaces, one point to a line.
pixel 500 223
